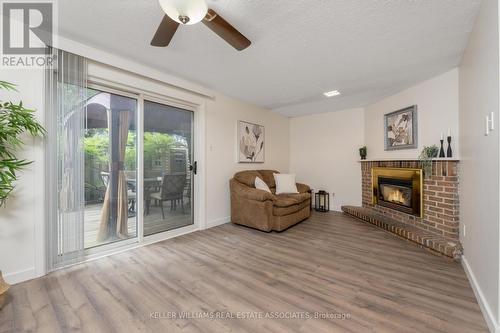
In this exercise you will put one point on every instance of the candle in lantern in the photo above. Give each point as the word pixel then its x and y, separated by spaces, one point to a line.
pixel 322 202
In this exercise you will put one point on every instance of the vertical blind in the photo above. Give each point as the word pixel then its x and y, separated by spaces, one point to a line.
pixel 65 92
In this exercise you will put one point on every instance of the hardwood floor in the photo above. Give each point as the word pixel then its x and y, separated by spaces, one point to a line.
pixel 331 264
pixel 153 222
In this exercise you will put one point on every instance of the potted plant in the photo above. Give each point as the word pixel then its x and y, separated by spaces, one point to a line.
pixel 426 156
pixel 15 122
pixel 362 152
pixel 3 291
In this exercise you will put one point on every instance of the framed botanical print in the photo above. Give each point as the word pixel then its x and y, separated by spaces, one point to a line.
pixel 400 129
pixel 251 142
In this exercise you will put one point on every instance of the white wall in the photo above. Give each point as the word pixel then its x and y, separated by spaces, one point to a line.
pixel 437 101
pixel 479 167
pixel 324 153
pixel 21 219
pixel 222 116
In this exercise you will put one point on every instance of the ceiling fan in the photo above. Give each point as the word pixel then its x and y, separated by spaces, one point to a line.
pixel 188 12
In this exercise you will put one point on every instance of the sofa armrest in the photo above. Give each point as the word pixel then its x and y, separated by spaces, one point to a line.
pixel 303 188
pixel 250 193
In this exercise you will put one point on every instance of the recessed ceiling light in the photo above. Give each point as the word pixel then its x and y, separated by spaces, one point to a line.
pixel 332 93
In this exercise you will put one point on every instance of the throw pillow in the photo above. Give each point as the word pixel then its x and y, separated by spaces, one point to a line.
pixel 285 183
pixel 261 185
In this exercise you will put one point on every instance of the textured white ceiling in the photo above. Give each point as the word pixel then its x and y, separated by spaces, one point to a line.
pixel 367 49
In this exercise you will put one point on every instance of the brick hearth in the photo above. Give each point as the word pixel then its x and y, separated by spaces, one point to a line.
pixel 434 242
pixel 441 203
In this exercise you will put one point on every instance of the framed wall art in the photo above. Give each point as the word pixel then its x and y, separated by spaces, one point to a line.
pixel 400 129
pixel 251 142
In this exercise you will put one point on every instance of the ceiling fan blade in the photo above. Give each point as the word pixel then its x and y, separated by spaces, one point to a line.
pixel 226 31
pixel 165 32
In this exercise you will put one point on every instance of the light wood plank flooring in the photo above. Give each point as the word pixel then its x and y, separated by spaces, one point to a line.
pixel 330 264
pixel 153 222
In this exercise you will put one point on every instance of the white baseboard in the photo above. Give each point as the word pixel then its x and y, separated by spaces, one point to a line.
pixel 28 274
pixel 17 277
pixel 217 222
pixel 485 308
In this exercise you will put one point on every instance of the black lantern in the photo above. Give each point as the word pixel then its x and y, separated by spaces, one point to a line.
pixel 322 201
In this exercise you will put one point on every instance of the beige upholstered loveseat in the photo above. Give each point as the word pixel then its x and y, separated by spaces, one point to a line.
pixel 263 210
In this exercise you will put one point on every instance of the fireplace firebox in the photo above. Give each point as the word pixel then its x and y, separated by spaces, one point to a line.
pixel 399 189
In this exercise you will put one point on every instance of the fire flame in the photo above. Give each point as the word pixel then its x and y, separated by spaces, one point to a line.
pixel 396 196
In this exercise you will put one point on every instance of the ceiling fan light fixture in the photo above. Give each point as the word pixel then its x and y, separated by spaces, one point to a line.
pixel 186 12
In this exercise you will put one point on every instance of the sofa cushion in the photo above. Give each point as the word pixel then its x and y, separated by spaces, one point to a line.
pixel 285 183
pixel 286 200
pixel 261 185
pixel 283 211
pixel 282 222
pixel 247 177
pixel 268 177
pixel 303 188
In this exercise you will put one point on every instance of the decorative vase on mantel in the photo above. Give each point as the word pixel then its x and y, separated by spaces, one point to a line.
pixel 4 287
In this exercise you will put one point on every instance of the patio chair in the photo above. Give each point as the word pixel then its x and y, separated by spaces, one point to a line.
pixel 172 189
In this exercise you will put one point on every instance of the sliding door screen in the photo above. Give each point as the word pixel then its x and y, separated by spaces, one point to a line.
pixel 110 168
pixel 168 169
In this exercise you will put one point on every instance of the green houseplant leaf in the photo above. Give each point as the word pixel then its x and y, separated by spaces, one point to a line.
pixel 15 120
pixel 426 156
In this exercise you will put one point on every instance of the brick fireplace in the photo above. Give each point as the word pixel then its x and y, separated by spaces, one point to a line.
pixel 437 226
pixel 440 196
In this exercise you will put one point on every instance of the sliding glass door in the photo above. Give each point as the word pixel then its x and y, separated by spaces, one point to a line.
pixel 168 168
pixel 111 170
pixel 99 197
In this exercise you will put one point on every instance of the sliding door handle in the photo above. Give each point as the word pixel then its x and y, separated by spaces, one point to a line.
pixel 194 167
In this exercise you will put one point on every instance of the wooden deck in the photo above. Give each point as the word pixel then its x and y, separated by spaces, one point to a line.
pixel 356 277
pixel 153 222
